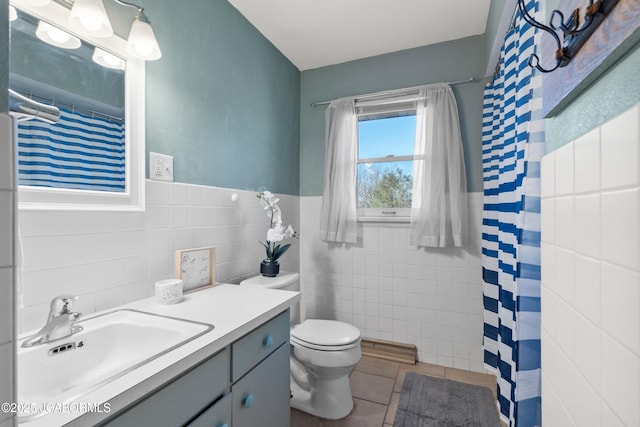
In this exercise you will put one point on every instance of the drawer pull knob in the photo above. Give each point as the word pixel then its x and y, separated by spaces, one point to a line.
pixel 267 341
pixel 247 401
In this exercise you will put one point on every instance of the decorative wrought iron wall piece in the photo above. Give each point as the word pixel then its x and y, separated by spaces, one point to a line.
pixel 574 35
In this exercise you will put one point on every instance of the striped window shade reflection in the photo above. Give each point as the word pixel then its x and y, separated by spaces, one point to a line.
pixel 78 152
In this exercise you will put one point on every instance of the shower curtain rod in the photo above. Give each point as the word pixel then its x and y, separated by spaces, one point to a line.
pixel 397 91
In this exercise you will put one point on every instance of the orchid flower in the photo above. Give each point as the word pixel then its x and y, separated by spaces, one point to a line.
pixel 276 232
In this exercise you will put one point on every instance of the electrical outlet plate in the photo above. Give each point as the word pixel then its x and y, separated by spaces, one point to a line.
pixel 160 167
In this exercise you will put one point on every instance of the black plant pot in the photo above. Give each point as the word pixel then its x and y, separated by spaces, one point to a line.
pixel 269 268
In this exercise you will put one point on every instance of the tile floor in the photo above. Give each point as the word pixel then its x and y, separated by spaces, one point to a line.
pixel 376 385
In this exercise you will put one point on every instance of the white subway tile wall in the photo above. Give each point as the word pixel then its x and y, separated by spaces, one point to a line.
pixel 111 258
pixel 591 278
pixel 390 290
pixel 7 267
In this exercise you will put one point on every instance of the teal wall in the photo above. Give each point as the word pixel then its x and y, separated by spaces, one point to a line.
pixel 496 11
pixel 222 100
pixel 612 94
pixel 449 61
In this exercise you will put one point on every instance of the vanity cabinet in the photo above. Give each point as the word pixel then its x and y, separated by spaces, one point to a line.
pixel 176 403
pixel 244 385
pixel 260 375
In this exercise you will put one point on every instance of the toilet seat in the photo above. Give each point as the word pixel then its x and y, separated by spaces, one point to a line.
pixel 325 335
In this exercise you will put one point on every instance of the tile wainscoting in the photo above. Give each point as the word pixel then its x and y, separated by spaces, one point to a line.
pixel 7 268
pixel 387 288
pixel 390 290
pixel 111 258
pixel 591 277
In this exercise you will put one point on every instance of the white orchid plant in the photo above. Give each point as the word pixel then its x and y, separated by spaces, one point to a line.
pixel 277 232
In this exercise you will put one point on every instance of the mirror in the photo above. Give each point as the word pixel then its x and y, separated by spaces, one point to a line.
pixel 92 157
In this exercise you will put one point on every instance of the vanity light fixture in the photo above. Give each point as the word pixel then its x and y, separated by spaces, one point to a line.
pixel 142 43
pixel 106 59
pixel 13 13
pixel 89 17
pixel 575 34
pixel 56 37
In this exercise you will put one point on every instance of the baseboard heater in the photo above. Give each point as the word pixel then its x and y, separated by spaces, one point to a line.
pixel 388 350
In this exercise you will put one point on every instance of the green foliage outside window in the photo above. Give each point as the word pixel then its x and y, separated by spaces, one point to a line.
pixel 384 188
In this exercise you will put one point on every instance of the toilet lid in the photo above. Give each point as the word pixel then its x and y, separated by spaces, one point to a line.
pixel 326 332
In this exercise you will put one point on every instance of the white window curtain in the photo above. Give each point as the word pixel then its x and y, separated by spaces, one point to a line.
pixel 338 213
pixel 438 209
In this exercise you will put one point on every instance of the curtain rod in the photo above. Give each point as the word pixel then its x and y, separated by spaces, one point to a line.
pixel 389 92
pixel 76 108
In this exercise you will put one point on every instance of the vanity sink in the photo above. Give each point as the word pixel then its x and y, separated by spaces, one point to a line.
pixel 109 346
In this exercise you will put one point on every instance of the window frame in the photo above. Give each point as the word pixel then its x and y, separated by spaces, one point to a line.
pixel 384 109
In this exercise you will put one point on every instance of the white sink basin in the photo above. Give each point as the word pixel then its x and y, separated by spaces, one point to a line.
pixel 110 345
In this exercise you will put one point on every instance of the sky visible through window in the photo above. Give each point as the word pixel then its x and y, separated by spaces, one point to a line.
pixel 381 137
pixel 388 183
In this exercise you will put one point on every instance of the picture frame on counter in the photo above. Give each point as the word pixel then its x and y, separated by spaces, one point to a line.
pixel 195 267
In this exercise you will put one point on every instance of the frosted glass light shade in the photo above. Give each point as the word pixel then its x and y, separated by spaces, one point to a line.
pixel 89 17
pixel 56 37
pixel 142 42
pixel 107 60
pixel 36 2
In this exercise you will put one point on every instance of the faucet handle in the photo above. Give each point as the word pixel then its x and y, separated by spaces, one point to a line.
pixel 67 303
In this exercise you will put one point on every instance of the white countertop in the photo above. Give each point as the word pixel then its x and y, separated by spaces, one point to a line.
pixel 233 310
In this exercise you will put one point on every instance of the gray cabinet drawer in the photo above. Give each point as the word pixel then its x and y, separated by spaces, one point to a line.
pixel 261 398
pixel 177 402
pixel 218 415
pixel 258 344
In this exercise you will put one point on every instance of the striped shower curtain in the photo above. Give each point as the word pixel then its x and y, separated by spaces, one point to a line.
pixel 512 143
pixel 78 152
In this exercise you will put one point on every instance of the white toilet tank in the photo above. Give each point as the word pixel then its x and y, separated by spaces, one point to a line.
pixel 285 280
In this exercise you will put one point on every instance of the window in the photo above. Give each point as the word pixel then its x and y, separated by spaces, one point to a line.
pixel 385 162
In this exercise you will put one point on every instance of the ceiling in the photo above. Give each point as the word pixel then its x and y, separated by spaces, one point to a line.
pixel 316 33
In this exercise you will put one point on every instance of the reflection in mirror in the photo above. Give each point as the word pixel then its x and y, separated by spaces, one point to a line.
pixel 86 148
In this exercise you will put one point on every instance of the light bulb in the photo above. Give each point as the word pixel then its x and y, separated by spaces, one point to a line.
pixel 56 37
pixel 144 50
pixel 90 17
pixel 142 42
pixel 107 60
pixel 90 23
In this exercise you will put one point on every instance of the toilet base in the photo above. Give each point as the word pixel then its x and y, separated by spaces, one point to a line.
pixel 330 399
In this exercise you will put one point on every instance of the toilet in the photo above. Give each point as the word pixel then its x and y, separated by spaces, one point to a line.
pixel 323 354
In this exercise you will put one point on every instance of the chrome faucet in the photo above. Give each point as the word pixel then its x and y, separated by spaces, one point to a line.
pixel 60 323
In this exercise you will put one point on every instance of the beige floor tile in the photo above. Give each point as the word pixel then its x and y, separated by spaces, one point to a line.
pixel 302 419
pixel 376 392
pixel 373 365
pixel 364 414
pixel 371 387
pixel 420 368
pixel 393 407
